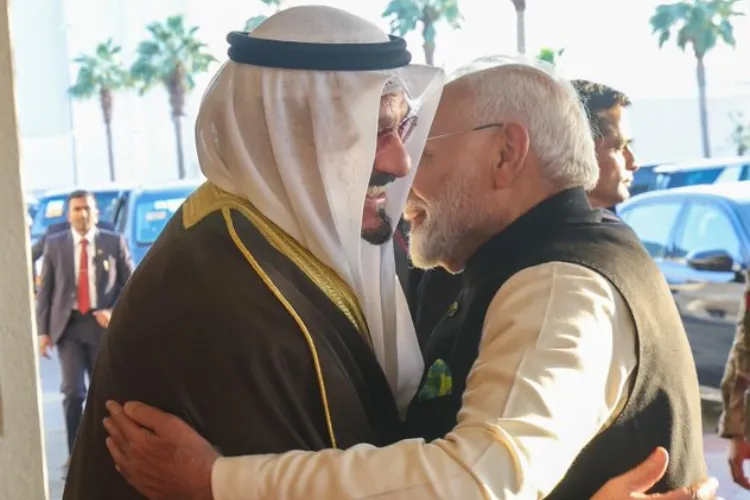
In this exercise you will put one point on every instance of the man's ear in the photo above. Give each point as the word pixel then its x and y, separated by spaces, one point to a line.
pixel 513 148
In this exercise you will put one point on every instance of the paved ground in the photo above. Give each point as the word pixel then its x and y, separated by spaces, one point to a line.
pixel 56 447
pixel 715 448
pixel 54 425
pixel 716 459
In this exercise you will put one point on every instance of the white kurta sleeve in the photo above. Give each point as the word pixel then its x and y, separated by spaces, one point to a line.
pixel 557 352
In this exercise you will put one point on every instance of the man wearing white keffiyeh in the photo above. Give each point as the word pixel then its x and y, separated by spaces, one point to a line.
pixel 268 313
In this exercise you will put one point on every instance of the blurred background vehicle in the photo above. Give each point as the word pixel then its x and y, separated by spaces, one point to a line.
pixel 145 211
pixel 664 175
pixel 699 236
pixel 702 171
pixel 644 178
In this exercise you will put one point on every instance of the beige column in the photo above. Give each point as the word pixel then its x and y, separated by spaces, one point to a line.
pixel 22 466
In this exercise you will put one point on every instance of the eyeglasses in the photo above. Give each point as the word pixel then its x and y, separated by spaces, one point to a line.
pixel 475 129
pixel 404 129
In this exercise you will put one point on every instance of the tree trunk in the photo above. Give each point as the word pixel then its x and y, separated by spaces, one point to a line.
pixel 105 99
pixel 428 34
pixel 521 31
pixel 177 122
pixel 110 152
pixel 700 72
pixel 176 88
pixel 429 53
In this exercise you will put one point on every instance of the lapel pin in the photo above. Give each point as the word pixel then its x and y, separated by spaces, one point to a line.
pixel 105 263
pixel 453 309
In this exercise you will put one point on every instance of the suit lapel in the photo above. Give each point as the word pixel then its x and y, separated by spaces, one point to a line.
pixel 69 257
pixel 99 257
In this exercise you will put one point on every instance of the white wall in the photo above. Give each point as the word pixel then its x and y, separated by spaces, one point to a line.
pixel 669 129
pixel 41 60
pixel 22 468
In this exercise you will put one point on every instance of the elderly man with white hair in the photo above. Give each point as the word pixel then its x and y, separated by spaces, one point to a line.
pixel 552 375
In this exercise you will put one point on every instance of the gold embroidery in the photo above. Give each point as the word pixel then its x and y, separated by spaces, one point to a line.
pixel 269 283
pixel 209 198
pixel 453 309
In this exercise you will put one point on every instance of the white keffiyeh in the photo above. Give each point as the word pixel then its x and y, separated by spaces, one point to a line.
pixel 300 145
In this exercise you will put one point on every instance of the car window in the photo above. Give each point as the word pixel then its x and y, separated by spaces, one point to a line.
pixel 643 180
pixel 152 214
pixel 707 227
pixel 653 223
pixel 730 174
pixel 52 210
pixel 121 212
pixel 107 203
pixel 688 177
pixel 744 213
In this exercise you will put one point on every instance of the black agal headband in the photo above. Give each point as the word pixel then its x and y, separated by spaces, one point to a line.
pixel 246 49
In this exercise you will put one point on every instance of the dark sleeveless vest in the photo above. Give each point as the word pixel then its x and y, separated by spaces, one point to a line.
pixel 664 404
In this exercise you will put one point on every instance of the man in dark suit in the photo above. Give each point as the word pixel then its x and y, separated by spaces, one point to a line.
pixel 37 249
pixel 85 269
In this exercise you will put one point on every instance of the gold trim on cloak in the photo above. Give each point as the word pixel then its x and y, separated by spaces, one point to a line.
pixel 209 198
pixel 227 213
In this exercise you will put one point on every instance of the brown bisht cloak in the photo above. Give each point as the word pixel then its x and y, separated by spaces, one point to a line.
pixel 231 325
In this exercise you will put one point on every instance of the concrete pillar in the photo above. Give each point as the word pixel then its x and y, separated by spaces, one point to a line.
pixel 22 465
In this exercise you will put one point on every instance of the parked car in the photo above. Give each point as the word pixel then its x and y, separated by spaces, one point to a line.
pixel 700 238
pixel 702 171
pixel 644 179
pixel 145 211
pixel 32 205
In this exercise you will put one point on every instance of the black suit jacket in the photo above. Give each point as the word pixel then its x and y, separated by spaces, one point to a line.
pixel 37 249
pixel 58 291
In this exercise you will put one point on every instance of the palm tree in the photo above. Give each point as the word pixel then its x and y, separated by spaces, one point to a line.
pixel 405 14
pixel 255 21
pixel 741 134
pixel 101 74
pixel 520 6
pixel 172 57
pixel 549 55
pixel 699 24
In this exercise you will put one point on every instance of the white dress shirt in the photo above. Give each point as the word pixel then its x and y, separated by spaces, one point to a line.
pixel 91 249
pixel 554 368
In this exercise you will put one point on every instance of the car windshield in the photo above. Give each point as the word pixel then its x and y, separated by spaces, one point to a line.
pixel 54 209
pixel 153 211
pixel 643 180
pixel 744 211
pixel 688 177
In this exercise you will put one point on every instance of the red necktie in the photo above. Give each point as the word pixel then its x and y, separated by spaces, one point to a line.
pixel 84 301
